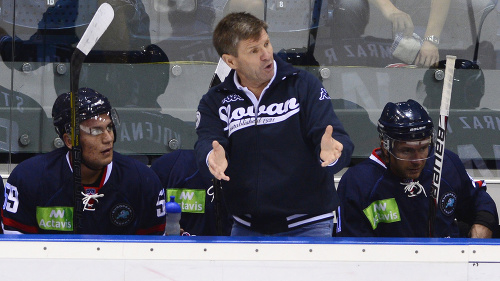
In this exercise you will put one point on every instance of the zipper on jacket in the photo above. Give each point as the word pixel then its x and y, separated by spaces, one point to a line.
pixel 256 112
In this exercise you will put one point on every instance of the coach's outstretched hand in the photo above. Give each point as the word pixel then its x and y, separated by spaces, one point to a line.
pixel 331 149
pixel 217 162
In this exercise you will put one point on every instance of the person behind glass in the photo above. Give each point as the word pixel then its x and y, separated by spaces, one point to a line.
pixel 388 195
pixel 402 23
pixel 120 195
pixel 270 134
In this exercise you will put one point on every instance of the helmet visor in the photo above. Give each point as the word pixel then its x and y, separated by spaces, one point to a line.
pixel 414 150
pixel 98 130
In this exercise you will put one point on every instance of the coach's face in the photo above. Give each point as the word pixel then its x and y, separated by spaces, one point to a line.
pixel 254 63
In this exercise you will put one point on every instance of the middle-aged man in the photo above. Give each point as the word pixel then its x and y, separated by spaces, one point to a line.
pixel 270 134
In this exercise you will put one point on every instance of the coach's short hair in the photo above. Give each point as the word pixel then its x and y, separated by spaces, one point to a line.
pixel 234 28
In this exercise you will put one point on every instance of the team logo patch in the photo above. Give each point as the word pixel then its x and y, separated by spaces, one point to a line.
pixel 324 95
pixel 122 215
pixel 232 98
pixel 55 218
pixel 90 191
pixel 382 211
pixel 448 203
pixel 191 200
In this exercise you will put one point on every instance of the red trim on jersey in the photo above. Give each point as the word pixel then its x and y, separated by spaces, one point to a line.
pixel 155 229
pixel 19 226
pixel 480 183
pixel 376 154
pixel 97 188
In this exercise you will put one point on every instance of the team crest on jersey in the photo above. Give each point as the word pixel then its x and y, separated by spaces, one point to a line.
pixel 231 98
pixel 90 190
pixel 324 95
pixel 448 203
pixel 122 215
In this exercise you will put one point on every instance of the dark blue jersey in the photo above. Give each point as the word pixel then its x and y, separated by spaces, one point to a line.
pixel 2 198
pixel 180 177
pixel 39 198
pixel 376 203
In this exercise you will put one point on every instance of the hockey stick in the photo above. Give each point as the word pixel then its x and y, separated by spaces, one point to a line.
pixel 486 11
pixel 99 23
pixel 313 32
pixel 440 140
pixel 221 72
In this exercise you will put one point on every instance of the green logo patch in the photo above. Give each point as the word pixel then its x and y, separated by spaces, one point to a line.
pixel 55 218
pixel 191 200
pixel 385 211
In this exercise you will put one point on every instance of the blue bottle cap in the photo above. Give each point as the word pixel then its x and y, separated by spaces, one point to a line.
pixel 172 206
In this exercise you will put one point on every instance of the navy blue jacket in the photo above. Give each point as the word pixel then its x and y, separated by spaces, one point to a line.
pixel 376 203
pixel 273 154
pixel 39 199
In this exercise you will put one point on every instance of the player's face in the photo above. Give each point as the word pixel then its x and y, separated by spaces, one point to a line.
pixel 254 63
pixel 408 158
pixel 96 138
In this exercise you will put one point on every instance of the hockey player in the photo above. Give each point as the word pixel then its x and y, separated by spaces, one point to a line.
pixel 122 196
pixel 389 193
pixel 181 177
pixel 270 133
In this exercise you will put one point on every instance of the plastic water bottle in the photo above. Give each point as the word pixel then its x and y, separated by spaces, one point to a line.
pixel 174 211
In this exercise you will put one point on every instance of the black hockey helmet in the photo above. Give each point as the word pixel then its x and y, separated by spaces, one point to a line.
pixel 468 85
pixel 405 121
pixel 92 104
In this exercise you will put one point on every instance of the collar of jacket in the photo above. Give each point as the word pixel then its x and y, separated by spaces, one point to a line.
pixel 284 69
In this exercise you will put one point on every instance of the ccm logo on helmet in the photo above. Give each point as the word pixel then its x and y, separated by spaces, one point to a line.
pixel 417 129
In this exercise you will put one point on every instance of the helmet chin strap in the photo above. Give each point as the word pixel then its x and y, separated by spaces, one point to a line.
pixel 387 143
pixel 387 157
pixel 384 148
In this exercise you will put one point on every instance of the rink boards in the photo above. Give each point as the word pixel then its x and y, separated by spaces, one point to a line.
pixel 80 257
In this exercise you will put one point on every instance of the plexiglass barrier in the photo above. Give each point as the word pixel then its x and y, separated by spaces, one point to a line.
pixel 156 60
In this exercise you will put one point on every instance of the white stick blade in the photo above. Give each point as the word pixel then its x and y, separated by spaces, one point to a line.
pixel 447 86
pixel 100 22
pixel 222 70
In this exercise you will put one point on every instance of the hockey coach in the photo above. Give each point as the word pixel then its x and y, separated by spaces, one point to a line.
pixel 270 134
